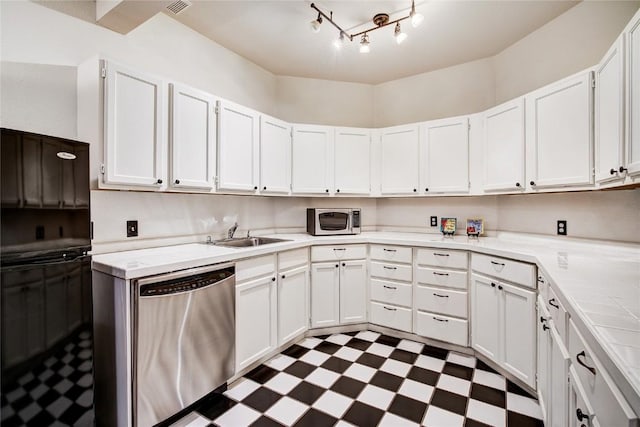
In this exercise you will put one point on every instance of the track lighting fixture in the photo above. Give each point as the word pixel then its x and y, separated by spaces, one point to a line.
pixel 380 20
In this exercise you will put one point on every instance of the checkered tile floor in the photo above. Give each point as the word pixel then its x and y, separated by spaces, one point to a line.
pixel 368 379
pixel 57 393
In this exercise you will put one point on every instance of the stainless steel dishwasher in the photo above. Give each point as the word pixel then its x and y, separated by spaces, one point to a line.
pixel 184 330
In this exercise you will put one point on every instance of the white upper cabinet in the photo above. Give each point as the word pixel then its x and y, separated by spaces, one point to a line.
pixel 632 33
pixel 447 155
pixel 559 138
pixel 193 138
pixel 504 147
pixel 352 161
pixel 400 160
pixel 238 133
pixel 609 114
pixel 275 155
pixel 135 137
pixel 312 148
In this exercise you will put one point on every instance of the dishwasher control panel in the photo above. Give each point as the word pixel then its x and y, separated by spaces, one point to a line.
pixel 186 284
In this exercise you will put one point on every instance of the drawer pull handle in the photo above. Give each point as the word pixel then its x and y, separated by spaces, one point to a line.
pixel 389 250
pixel 497 263
pixel 552 303
pixel 440 274
pixel 581 415
pixel 339 249
pixel 437 254
pixel 390 309
pixel 580 361
pixel 493 285
pixel 540 279
pixel 389 268
pixel 389 287
pixel 440 320
pixel 441 296
pixel 500 287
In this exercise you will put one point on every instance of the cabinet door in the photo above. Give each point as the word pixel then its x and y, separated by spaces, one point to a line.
pixel 485 317
pixel 22 322
pixel 81 176
pixel 559 137
pixel 275 155
pixel 134 127
pixel 55 304
pixel 519 337
pixel 504 146
pixel 31 178
pixel 400 160
pixel 633 95
pixel 311 150
pixel 353 291
pixel 581 412
pixel 52 175
pixel 74 297
pixel 256 323
pixel 609 113
pixel 447 155
pixel 543 362
pixel 352 161
pixel 293 317
pixel 559 360
pixel 325 294
pixel 10 169
pixel 193 133
pixel 68 169
pixel 237 147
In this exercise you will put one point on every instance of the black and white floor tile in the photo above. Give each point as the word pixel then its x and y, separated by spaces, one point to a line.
pixel 368 379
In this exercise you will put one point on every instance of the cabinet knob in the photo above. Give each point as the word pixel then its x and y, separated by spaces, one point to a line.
pixel 622 169
pixel 545 327
pixel 493 285
pixel 177 181
pixel 159 181
pixel 273 279
pixel 283 276
pixel 426 189
pixel 343 264
pixel 338 190
pixel 255 187
pixel 326 191
pixel 264 188
pixel 581 415
pixel 612 171
pixel 415 190
pixel 499 287
pixel 337 266
pixel 517 184
pixel 532 183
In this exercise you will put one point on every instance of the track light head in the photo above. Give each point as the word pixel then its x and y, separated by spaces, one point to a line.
pixel 315 24
pixel 398 34
pixel 364 44
pixel 339 42
pixel 416 18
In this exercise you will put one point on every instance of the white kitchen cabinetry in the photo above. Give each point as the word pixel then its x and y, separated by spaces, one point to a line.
pixel 134 128
pixel 293 294
pixel 311 154
pixel 559 133
pixel 238 147
pixel 400 160
pixel 447 155
pixel 275 156
pixel 609 114
pixel 193 138
pixel 352 161
pixel 338 285
pixel 503 315
pixel 632 33
pixel 504 147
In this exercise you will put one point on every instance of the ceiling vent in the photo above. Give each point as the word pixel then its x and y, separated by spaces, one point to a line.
pixel 178 7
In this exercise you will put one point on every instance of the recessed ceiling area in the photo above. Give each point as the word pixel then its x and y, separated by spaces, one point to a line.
pixel 277 36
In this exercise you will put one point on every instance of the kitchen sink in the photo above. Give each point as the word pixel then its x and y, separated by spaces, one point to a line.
pixel 246 242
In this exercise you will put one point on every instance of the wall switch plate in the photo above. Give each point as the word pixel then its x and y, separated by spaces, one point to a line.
pixel 434 221
pixel 132 228
pixel 562 227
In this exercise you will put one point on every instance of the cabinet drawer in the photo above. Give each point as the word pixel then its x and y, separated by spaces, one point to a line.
pixel 391 271
pixel 506 269
pixel 443 301
pixel 338 252
pixel 442 328
pixel 391 253
pixel 442 258
pixel 442 277
pixel 391 292
pixel 292 259
pixel 252 268
pixel 390 316
pixel 609 406
pixel 558 313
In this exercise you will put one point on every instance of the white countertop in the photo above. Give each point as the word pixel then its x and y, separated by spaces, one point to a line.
pixel 599 284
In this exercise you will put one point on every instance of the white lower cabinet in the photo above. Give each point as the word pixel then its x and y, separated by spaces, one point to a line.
pixel 325 294
pixel 293 300
pixel 390 316
pixel 443 328
pixel 353 291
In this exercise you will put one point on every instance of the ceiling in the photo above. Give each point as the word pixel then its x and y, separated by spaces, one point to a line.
pixel 276 35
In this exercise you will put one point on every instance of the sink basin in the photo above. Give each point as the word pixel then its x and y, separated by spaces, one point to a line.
pixel 246 242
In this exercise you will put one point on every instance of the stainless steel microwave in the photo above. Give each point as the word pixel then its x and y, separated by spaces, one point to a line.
pixel 326 222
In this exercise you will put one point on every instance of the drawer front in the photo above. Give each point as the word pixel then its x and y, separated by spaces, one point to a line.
pixel 506 269
pixel 292 259
pixel 390 316
pixel 252 268
pixel 338 252
pixel 442 301
pixel 442 277
pixel 442 258
pixel 609 406
pixel 558 313
pixel 391 253
pixel 391 271
pixel 442 328
pixel 391 292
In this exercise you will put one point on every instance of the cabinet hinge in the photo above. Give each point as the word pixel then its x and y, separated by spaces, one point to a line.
pixel 215 180
pixel 103 72
pixel 593 83
pixel 217 110
pixel 469 126
pixel 102 168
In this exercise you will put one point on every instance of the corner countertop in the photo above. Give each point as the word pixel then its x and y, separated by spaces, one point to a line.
pixel 598 283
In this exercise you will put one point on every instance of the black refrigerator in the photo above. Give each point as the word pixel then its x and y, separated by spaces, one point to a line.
pixel 46 301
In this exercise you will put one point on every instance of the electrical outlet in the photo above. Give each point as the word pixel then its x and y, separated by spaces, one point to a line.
pixel 39 232
pixel 132 228
pixel 562 227
pixel 434 221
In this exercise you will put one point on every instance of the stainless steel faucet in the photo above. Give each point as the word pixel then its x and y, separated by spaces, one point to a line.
pixel 232 230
